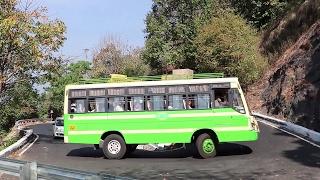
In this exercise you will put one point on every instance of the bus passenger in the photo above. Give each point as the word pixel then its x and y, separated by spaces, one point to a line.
pixel 224 101
pixel 149 108
pixel 189 104
pixel 73 108
pixel 138 105
pixel 217 102
pixel 92 108
pixel 118 107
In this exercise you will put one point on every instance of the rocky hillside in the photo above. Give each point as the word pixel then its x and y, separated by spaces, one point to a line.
pixel 291 86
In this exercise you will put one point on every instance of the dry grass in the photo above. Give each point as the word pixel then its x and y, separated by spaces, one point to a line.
pixel 286 31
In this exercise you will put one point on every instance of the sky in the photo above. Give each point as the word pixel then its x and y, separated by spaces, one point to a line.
pixel 89 21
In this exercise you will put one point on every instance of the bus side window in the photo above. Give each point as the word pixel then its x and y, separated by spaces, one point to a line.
pixel 96 105
pixel 221 98
pixel 156 103
pixel 203 101
pixel 116 104
pixel 177 102
pixel 135 103
pixel 77 106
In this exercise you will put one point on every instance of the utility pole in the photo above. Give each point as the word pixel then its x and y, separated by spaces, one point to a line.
pixel 86 50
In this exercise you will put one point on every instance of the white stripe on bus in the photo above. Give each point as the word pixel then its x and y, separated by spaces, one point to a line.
pixel 205 114
pixel 147 116
pixel 156 131
pixel 159 131
pixel 85 132
pixel 153 116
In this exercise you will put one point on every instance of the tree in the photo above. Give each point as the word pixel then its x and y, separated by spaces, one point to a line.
pixel 261 13
pixel 133 65
pixel 108 58
pixel 66 74
pixel 115 57
pixel 227 44
pixel 28 41
pixel 171 27
pixel 21 103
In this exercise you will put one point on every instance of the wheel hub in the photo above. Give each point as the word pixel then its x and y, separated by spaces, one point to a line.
pixel 114 147
pixel 208 146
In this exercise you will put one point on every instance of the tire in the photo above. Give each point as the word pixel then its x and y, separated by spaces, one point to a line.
pixel 114 147
pixel 205 146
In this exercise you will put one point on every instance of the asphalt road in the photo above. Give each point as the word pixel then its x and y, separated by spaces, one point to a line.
pixel 276 155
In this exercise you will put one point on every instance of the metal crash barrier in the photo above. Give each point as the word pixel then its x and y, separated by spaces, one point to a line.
pixel 25 170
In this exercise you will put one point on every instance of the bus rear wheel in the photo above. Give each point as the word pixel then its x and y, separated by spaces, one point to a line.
pixel 205 146
pixel 114 147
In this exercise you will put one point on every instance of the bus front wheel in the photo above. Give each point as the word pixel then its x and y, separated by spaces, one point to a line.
pixel 205 146
pixel 114 147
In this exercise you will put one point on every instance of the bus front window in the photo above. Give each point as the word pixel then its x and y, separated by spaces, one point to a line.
pixel 237 103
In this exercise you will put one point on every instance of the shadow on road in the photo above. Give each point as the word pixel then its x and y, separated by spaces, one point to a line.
pixel 303 152
pixel 86 152
pixel 49 139
pixel 225 149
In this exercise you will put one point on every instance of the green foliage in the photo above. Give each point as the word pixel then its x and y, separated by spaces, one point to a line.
pixel 227 44
pixel 261 13
pixel 28 41
pixel 66 74
pixel 20 103
pixel 8 143
pixel 171 27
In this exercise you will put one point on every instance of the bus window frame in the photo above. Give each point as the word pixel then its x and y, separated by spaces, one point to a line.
pixel 213 106
pixel 165 101
pixel 210 103
pixel 102 96
pixel 139 95
pixel 105 104
pixel 233 92
pixel 114 96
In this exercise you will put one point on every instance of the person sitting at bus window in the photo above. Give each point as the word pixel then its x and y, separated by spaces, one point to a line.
pixel 217 102
pixel 118 107
pixel 138 104
pixel 73 108
pixel 149 106
pixel 224 101
pixel 92 108
pixel 189 104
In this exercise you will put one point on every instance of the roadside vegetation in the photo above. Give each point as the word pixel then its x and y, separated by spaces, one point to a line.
pixel 233 37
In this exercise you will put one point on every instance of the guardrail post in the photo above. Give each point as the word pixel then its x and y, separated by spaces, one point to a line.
pixel 28 171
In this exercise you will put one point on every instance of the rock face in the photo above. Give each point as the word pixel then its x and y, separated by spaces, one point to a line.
pixel 294 86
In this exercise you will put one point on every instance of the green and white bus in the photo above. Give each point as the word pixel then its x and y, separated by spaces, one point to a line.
pixel 119 116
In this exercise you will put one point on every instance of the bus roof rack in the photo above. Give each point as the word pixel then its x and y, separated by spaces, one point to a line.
pixel 118 78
